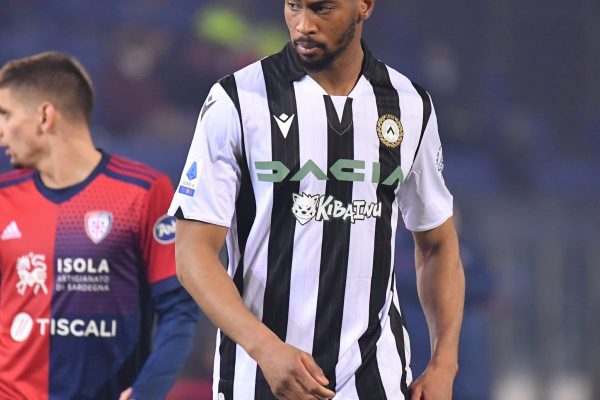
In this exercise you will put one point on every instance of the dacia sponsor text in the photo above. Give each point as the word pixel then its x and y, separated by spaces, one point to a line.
pixel 342 170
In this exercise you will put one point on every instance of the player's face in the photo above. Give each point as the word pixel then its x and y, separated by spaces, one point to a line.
pixel 321 30
pixel 20 135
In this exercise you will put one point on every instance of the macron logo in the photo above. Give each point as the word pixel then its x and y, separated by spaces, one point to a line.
pixel 284 122
pixel 11 232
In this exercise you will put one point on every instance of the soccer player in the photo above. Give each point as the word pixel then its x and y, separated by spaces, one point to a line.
pixel 86 251
pixel 302 162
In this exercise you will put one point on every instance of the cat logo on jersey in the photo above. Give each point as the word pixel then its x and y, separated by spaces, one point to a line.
pixel 390 130
pixel 97 225
pixel 305 207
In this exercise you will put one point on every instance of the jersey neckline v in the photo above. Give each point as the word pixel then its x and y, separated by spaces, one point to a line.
pixel 61 195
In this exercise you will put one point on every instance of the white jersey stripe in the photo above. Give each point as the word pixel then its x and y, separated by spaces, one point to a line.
pixel 252 96
pixel 347 391
pixel 217 366
pixel 356 307
pixel 390 364
pixel 305 280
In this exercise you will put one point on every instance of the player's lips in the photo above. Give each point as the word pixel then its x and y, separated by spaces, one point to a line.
pixel 307 48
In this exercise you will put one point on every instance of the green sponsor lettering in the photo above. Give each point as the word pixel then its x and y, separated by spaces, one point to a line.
pixel 343 170
pixel 309 167
pixel 341 173
pixel 376 175
pixel 278 174
pixel 396 176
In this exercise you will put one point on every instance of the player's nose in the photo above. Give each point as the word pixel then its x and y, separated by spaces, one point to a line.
pixel 305 25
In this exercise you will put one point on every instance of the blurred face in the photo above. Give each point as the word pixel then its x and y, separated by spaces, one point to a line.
pixel 20 136
pixel 321 30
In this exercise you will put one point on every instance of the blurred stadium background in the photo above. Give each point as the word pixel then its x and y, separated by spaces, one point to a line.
pixel 517 93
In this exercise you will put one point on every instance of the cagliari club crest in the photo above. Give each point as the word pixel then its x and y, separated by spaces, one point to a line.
pixel 97 225
pixel 390 130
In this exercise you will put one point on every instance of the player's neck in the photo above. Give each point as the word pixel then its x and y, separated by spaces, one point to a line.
pixel 70 160
pixel 343 74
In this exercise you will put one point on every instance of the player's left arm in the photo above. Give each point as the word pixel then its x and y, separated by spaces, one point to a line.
pixel 427 208
pixel 176 311
pixel 441 286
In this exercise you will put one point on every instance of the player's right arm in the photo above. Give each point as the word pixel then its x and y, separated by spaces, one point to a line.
pixel 204 205
pixel 290 372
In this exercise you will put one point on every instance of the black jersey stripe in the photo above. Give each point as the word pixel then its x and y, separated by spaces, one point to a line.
pixel 281 99
pixel 245 212
pixel 368 380
pixel 335 246
pixel 396 324
pixel 245 205
pixel 426 114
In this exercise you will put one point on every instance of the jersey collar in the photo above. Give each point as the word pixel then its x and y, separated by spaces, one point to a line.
pixel 61 195
pixel 294 71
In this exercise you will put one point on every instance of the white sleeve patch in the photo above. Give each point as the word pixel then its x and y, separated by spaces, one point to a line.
pixel 210 178
pixel 424 199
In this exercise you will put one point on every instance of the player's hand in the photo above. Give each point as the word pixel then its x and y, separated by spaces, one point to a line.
pixel 125 394
pixel 293 374
pixel 435 384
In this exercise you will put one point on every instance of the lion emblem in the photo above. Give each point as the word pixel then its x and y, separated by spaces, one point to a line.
pixel 31 269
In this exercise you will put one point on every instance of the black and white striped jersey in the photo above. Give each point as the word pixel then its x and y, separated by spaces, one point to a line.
pixel 310 186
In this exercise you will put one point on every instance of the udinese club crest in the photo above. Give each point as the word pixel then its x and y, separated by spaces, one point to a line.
pixel 97 225
pixel 390 130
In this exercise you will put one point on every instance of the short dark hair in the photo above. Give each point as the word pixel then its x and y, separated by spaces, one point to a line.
pixel 53 74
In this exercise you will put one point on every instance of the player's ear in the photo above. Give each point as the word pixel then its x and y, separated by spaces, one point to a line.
pixel 47 116
pixel 365 9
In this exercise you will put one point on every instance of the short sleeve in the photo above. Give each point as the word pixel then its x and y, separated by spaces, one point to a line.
pixel 158 232
pixel 210 179
pixel 424 200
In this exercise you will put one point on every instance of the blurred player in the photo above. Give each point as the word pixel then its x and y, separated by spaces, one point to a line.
pixel 301 161
pixel 86 251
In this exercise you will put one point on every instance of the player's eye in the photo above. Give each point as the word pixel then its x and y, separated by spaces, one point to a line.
pixel 294 6
pixel 323 8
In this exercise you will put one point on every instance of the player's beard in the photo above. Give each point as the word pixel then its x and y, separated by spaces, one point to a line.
pixel 328 56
